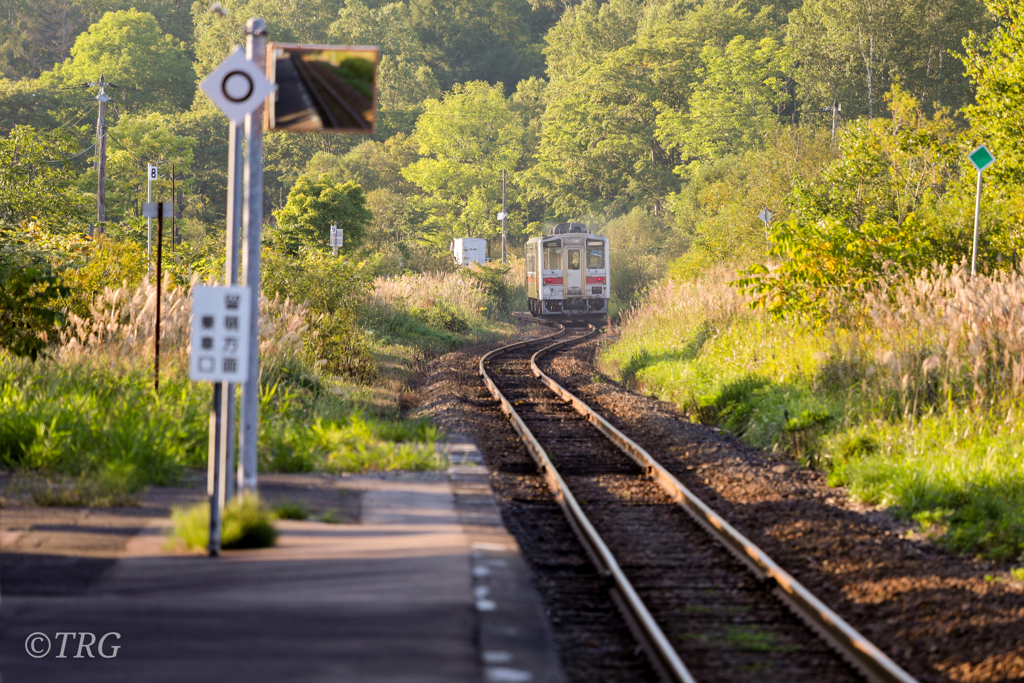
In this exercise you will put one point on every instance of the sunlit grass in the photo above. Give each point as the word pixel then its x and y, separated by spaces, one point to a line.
pixel 245 524
pixel 920 408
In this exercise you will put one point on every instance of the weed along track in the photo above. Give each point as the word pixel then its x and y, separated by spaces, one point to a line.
pixel 704 602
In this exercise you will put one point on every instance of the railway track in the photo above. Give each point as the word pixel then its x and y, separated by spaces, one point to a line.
pixel 702 600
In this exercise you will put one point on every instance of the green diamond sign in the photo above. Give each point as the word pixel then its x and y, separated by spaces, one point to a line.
pixel 981 158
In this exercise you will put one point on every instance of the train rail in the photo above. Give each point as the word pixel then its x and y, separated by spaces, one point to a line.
pixel 670 569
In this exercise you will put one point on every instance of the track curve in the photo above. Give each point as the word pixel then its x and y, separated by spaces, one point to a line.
pixel 683 596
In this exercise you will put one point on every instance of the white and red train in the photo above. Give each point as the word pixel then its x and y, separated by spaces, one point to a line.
pixel 567 273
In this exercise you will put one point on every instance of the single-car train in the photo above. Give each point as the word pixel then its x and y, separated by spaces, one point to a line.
pixel 567 273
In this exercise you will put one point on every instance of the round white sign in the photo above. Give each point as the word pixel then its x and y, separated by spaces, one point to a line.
pixel 237 86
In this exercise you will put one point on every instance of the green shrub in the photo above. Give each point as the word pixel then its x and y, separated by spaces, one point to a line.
pixel 444 316
pixel 29 311
pixel 291 510
pixel 245 524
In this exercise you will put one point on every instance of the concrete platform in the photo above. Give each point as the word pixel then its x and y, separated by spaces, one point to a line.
pixel 426 587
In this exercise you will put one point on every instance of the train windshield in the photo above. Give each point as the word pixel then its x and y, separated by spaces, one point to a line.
pixel 553 255
pixel 595 254
pixel 574 259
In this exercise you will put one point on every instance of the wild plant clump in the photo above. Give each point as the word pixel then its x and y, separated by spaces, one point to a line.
pixel 246 523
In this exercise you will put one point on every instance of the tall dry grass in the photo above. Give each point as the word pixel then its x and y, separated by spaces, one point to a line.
pixel 710 299
pixel 122 325
pixel 422 291
pixel 917 402
pixel 944 334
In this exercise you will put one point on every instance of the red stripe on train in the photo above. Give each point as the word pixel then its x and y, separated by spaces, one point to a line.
pixel 552 280
pixel 595 280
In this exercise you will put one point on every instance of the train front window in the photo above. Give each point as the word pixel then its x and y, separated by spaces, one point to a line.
pixel 553 255
pixel 574 259
pixel 595 255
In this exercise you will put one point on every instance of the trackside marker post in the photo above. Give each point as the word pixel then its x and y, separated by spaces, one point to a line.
pixel 337 238
pixel 982 158
pixel 158 210
pixel 239 87
pixel 219 354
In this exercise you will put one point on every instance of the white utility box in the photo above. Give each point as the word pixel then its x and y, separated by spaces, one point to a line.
pixel 468 250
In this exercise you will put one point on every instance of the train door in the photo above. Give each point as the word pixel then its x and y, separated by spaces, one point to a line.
pixel 574 271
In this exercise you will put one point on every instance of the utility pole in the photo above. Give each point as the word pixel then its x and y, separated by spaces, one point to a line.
pixel 504 217
pixel 101 155
pixel 252 218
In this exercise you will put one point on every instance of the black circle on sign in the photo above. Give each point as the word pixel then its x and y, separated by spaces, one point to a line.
pixel 228 77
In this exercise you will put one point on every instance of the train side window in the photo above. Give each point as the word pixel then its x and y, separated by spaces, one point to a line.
pixel 574 259
pixel 553 255
pixel 595 255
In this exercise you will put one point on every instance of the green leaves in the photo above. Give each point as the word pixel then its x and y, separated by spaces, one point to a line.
pixel 465 140
pixel 314 203
pixel 29 315
pixel 737 102
pixel 129 49
pixel 35 180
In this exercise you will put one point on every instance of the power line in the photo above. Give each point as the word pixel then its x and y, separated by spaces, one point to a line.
pixel 65 159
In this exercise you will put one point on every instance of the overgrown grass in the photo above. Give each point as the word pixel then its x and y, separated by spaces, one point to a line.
pixel 246 523
pixel 89 424
pixel 917 406
pixel 411 318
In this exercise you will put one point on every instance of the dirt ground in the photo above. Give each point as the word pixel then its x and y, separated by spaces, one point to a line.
pixel 941 617
pixel 62 550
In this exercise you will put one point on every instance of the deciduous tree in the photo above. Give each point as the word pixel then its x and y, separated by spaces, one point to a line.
pixel 465 141
pixel 314 203
pixel 129 49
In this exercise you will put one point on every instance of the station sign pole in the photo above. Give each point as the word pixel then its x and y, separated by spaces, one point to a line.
pixel 239 87
pixel 151 175
pixel 981 158
pixel 219 354
pixel 252 219
pixel 232 252
pixel 158 210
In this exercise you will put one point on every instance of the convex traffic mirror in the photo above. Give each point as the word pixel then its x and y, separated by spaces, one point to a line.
pixel 322 88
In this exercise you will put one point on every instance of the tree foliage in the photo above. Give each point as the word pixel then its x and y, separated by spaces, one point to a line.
pixel 35 180
pixel 128 48
pixel 133 144
pixel 880 209
pixel 314 203
pixel 29 311
pixel 465 141
pixel 996 68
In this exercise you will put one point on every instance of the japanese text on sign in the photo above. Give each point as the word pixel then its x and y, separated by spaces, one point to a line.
pixel 220 339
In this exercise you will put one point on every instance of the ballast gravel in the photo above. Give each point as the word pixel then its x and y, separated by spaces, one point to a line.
pixel 941 617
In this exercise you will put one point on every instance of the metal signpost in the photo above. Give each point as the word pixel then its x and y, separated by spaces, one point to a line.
pixel 337 238
pixel 503 216
pixel 151 175
pixel 310 93
pixel 766 218
pixel 220 354
pixel 238 87
pixel 158 210
pixel 982 159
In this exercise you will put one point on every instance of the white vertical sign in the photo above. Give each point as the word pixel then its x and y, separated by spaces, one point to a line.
pixel 220 339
